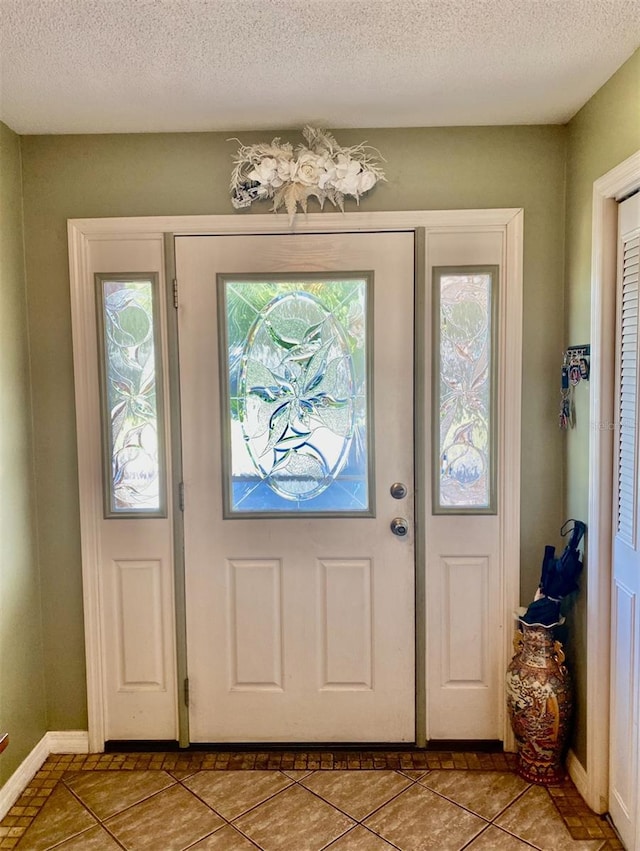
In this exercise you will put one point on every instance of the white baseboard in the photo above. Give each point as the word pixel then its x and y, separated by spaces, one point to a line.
pixel 578 774
pixel 66 741
pixel 21 777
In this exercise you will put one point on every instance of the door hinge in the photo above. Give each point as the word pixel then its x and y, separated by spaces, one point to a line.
pixel 181 496
pixel 175 293
pixel 186 691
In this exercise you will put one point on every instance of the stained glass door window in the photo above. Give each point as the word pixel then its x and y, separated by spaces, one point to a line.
pixel 133 450
pixel 464 365
pixel 295 355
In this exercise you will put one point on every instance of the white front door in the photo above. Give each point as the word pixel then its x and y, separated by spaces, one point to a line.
pixel 625 624
pixel 296 379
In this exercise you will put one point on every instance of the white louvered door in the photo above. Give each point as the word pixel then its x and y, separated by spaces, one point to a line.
pixel 625 615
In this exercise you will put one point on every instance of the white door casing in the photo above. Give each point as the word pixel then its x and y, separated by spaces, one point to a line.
pixel 85 236
pixel 624 754
pixel 298 628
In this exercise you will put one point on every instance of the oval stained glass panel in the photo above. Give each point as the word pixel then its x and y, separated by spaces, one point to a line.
pixel 297 396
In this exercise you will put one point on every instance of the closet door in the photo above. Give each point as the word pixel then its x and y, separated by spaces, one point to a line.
pixel 625 615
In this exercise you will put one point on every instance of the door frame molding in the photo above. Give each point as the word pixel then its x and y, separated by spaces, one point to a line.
pixel 508 221
pixel 607 191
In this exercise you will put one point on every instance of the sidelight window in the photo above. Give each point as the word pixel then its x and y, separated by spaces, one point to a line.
pixel 464 391
pixel 130 373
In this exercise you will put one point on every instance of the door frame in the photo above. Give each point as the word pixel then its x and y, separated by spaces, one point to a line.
pixel 507 221
pixel 592 780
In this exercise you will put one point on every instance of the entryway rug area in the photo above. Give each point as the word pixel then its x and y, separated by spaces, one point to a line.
pixel 293 801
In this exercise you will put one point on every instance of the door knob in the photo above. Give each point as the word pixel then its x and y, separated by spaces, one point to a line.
pixel 399 526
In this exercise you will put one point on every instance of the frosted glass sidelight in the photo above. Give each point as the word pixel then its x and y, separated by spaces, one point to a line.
pixel 295 355
pixel 464 423
pixel 129 368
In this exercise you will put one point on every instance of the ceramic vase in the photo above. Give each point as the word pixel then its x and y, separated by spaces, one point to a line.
pixel 540 703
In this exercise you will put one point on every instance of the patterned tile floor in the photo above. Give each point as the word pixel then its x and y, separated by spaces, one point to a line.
pixel 281 801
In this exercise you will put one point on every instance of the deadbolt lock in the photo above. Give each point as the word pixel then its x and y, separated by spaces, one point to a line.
pixel 398 490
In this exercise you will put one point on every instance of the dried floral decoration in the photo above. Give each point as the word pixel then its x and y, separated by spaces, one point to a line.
pixel 324 170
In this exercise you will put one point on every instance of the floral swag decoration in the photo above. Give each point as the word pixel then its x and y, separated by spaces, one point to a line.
pixel 324 170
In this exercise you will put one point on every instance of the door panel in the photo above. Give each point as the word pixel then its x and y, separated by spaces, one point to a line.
pixel 625 621
pixel 299 628
pixel 134 554
pixel 463 564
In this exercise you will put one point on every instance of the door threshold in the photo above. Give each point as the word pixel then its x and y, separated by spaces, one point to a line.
pixel 466 745
pixel 171 745
pixel 153 745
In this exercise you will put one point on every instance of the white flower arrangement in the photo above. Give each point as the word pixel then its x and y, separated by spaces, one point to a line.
pixel 324 170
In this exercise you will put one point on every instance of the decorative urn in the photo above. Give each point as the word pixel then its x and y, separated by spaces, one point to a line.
pixel 540 702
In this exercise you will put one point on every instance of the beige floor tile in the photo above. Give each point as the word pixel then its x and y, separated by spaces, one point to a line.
pixel 171 820
pixel 412 809
pixel 95 839
pixel 109 792
pixel 294 819
pixel 534 818
pixel 494 839
pixel 420 820
pixel 357 793
pixel 227 839
pixel 487 793
pixel 61 817
pixel 360 839
pixel 232 793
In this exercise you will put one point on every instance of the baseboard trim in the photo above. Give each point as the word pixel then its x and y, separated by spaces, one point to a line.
pixel 578 774
pixel 68 741
pixel 22 776
pixel 65 741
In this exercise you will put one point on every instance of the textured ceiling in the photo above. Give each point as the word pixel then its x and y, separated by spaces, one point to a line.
pixel 103 66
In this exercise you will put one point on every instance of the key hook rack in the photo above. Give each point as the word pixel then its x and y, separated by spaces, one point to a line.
pixel 575 368
pixel 578 360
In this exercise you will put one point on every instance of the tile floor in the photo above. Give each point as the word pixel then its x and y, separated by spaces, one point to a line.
pixel 412 801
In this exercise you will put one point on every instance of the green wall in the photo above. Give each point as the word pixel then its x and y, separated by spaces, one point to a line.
pixel 604 133
pixel 22 698
pixel 139 175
